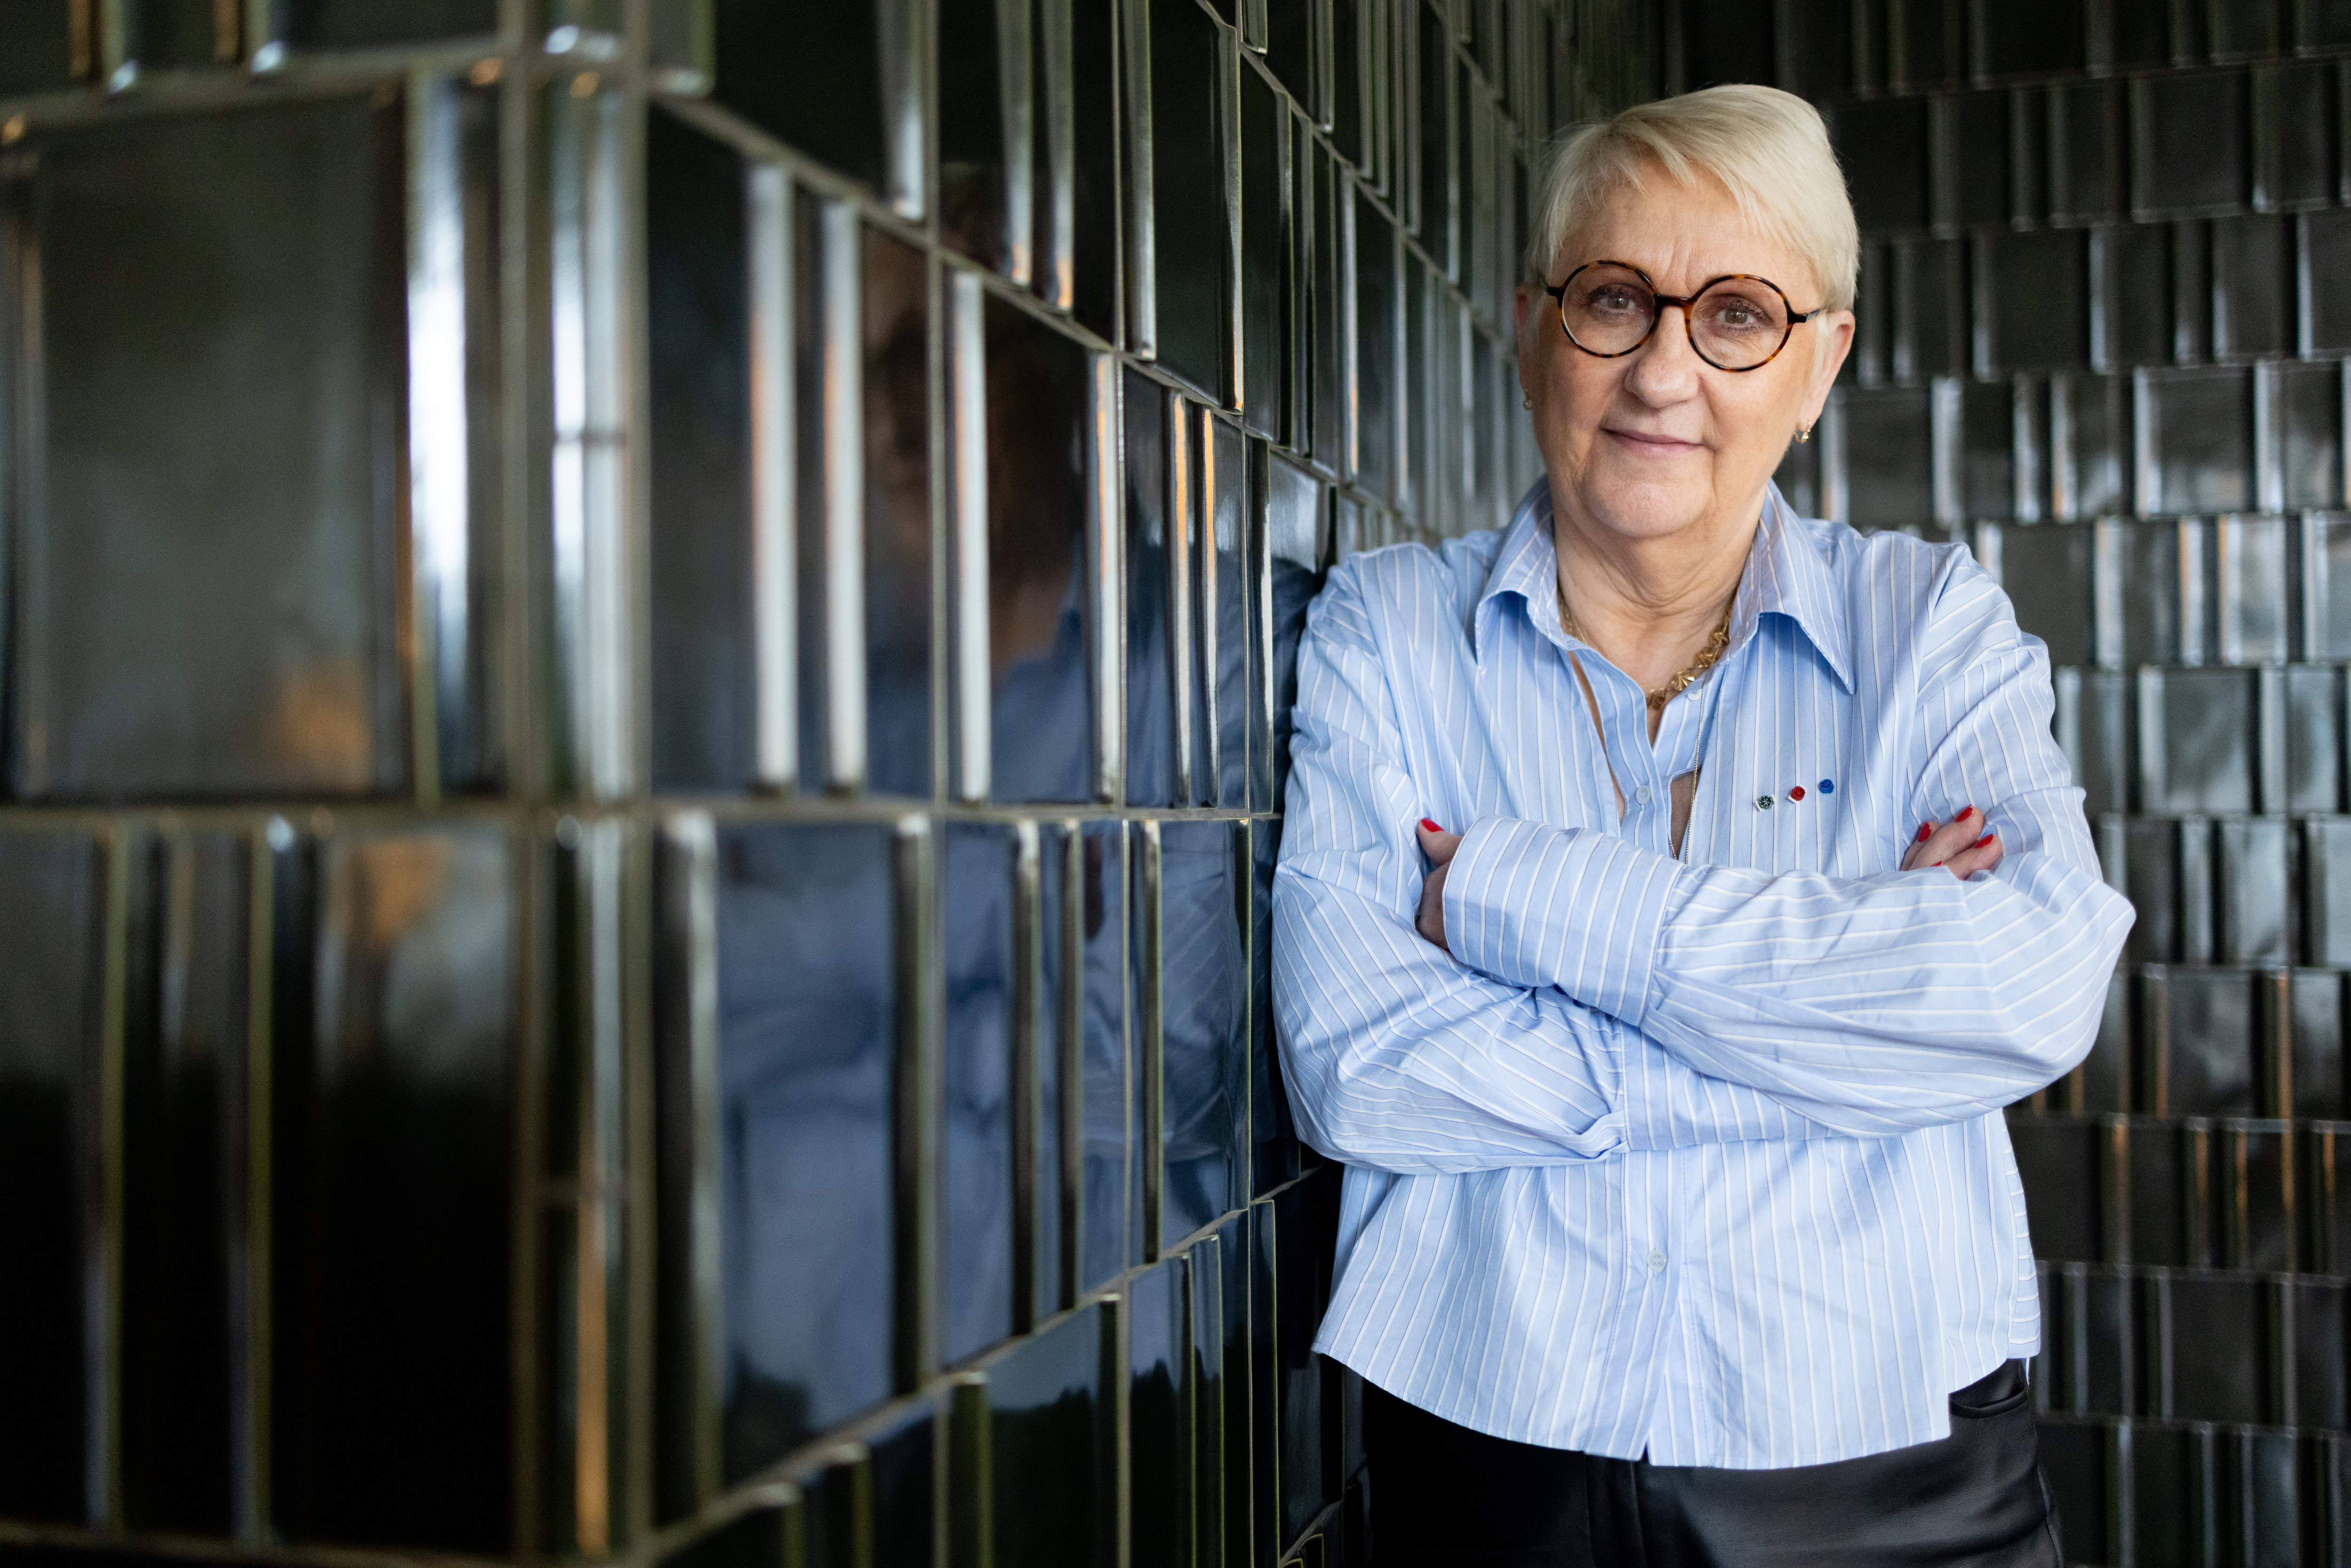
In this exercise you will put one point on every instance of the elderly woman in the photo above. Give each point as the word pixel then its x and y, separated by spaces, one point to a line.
pixel 1674 891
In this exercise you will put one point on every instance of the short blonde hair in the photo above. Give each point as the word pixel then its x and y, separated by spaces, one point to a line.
pixel 1768 148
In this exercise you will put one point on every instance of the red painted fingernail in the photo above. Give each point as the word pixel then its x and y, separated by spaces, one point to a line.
pixel 1926 831
pixel 1938 863
pixel 1432 827
pixel 1982 841
pixel 1965 812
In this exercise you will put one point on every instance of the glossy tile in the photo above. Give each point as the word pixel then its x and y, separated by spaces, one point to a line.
pixel 814 82
pixel 1146 411
pixel 1160 1404
pixel 1228 579
pixel 1203 1022
pixel 2195 435
pixel 2062 1163
pixel 1191 248
pixel 1883 145
pixel 977 1156
pixel 699 308
pixel 898 527
pixel 2031 301
pixel 261 479
pixel 1108 1239
pixel 1051 1446
pixel 187 1086
pixel 2189 152
pixel 2215 1334
pixel 809 1046
pixel 1265 280
pixel 1094 136
pixel 392 1167
pixel 1042 711
pixel 1886 444
pixel 52 907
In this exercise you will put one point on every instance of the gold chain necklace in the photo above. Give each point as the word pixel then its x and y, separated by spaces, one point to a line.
pixel 1681 681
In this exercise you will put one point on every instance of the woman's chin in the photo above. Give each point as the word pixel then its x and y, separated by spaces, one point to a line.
pixel 1645 510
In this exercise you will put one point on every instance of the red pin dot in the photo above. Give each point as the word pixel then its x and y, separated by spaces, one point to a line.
pixel 1797 793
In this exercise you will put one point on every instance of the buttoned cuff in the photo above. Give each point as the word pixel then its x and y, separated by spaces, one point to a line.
pixel 1537 906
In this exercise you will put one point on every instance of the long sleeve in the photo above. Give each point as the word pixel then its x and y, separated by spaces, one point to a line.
pixel 1870 1004
pixel 1399 1057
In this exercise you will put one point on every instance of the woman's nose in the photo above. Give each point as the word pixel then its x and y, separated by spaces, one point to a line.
pixel 1666 368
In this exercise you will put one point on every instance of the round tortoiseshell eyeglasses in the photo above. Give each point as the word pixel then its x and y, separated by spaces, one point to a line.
pixel 1736 322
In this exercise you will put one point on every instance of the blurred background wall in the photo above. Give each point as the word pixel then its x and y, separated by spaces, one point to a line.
pixel 646 650
pixel 646 653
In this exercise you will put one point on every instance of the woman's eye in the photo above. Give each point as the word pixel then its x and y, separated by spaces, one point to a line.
pixel 1615 302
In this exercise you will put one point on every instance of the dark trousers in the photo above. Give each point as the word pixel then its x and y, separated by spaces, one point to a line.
pixel 1443 1496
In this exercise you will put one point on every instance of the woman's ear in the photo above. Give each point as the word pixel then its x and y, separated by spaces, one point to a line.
pixel 1835 341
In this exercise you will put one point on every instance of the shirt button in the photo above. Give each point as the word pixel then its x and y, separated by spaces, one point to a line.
pixel 1641 796
pixel 1657 1261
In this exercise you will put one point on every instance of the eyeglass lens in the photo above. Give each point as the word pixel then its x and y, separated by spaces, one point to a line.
pixel 1737 323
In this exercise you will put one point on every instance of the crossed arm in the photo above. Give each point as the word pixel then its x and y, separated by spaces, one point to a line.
pixel 1599 997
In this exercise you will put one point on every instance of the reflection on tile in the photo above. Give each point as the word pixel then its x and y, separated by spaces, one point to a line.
pixel 253 372
pixel 51 909
pixel 1160 1514
pixel 2089 449
pixel 1204 1023
pixel 1060 1023
pixel 2189 143
pixel 814 81
pixel 1112 1185
pixel 2215 1354
pixel 186 1087
pixel 1295 520
pixel 1041 713
pixel 897 518
pixel 698 311
pixel 1883 146
pixel 1275 1155
pixel 2305 411
pixel 393 1174
pixel 2032 301
pixel 1886 443
pixel 807 1066
pixel 2195 439
pixel 2319 1328
pixel 2316 1067
pixel 2257 1221
pixel 1377 327
pixel 2151 879
pixel 1050 1457
pixel 976 1171
pixel 2196 734
pixel 1190 243
pixel 2253 891
pixel 2326 865
pixel 2295 156
pixel 2209 1067
pixel 1150 670
pixel 1265 290
pixel 975 204
pixel 2249 590
pixel 1093 93
pixel 1204 1354
pixel 1227 576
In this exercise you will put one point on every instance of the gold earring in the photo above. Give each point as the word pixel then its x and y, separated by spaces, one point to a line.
pixel 1805 435
pixel 1526 402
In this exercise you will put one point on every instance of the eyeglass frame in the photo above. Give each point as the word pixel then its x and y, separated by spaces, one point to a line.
pixel 1795 318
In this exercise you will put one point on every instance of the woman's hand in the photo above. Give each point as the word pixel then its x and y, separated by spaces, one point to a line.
pixel 1438 846
pixel 1961 846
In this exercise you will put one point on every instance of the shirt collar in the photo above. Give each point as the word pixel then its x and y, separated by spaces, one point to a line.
pixel 1786 575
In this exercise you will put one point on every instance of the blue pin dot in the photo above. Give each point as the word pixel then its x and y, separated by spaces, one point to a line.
pixel 1828 786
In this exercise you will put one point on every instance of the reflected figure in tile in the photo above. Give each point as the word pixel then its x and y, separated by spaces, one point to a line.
pixel 808 1053
pixel 1041 715
pixel 897 518
pixel 1673 892
pixel 1203 1025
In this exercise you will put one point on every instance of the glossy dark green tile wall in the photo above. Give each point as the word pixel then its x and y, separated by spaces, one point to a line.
pixel 647 652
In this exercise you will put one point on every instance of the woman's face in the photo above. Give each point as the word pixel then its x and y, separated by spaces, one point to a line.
pixel 1657 441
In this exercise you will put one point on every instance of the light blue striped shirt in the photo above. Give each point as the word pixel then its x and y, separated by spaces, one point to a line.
pixel 1702 1158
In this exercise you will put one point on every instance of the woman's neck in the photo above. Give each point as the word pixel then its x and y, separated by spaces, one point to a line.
pixel 1649 605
